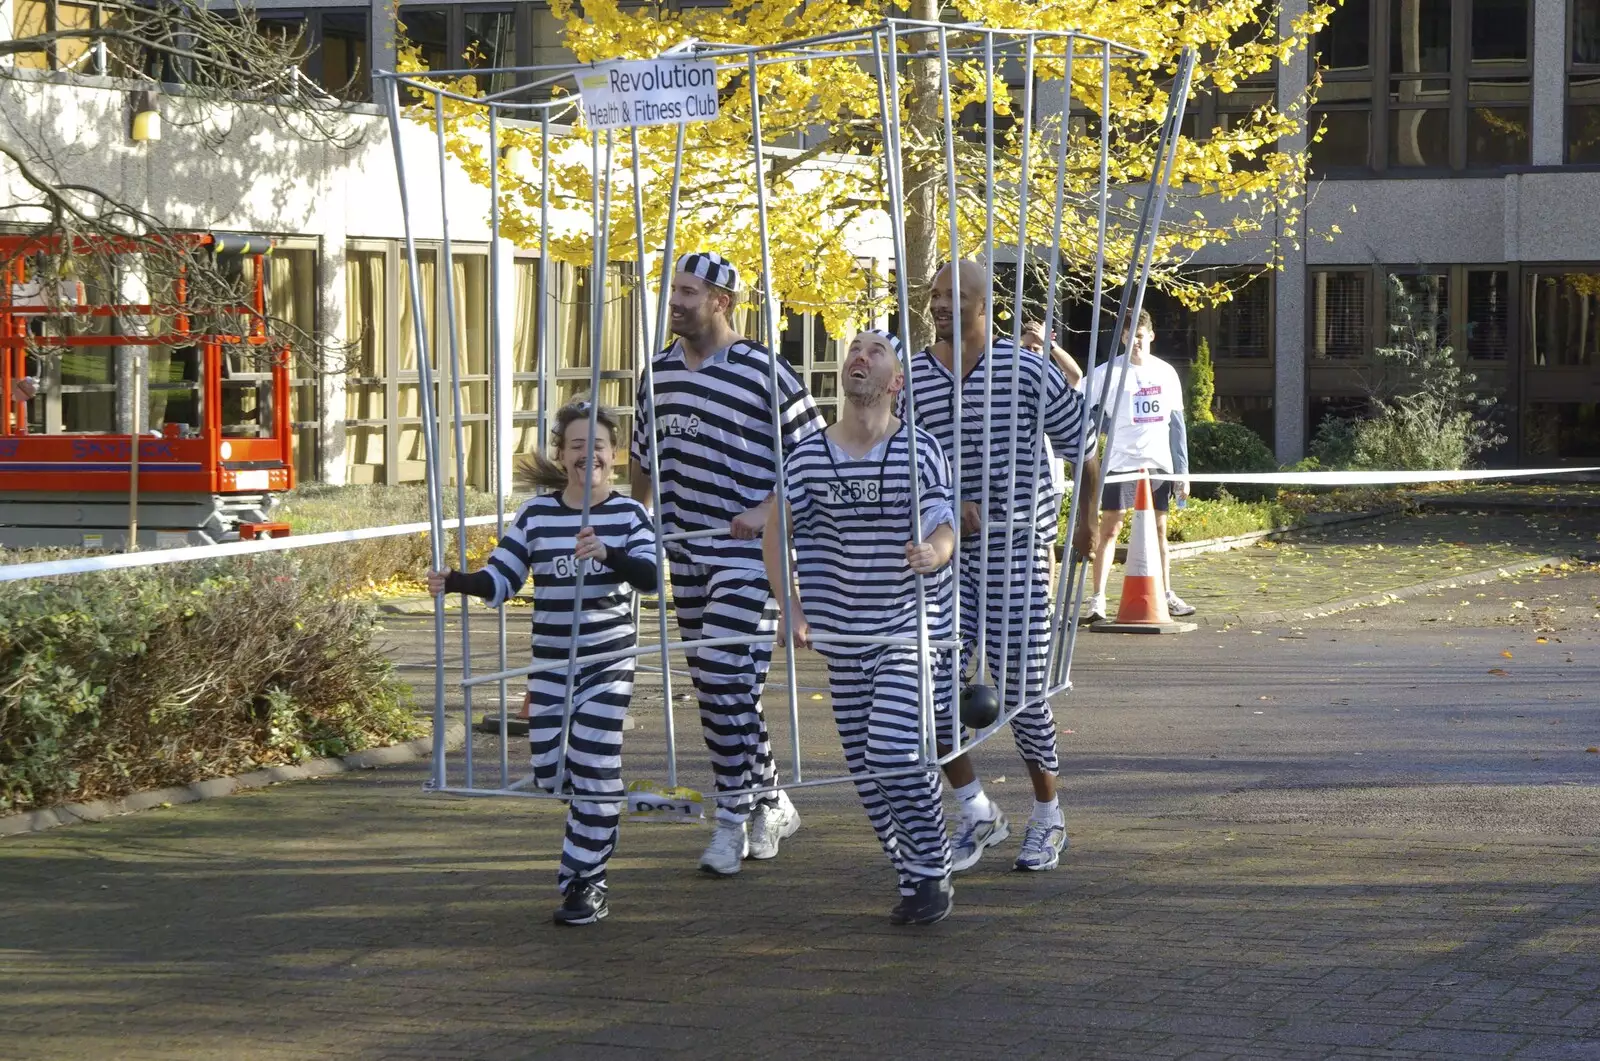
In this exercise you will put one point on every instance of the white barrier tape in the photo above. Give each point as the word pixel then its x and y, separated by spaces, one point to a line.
pixel 115 561
pixel 1346 478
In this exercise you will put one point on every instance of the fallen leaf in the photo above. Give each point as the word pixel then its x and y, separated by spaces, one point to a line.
pixel 1499 673
pixel 1541 640
pixel 1592 751
pixel 816 696
pixel 1507 654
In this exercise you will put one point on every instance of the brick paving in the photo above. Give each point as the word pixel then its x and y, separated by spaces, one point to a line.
pixel 357 917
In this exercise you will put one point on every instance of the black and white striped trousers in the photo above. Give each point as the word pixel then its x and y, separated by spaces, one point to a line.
pixel 715 602
pixel 875 708
pixel 1005 593
pixel 600 696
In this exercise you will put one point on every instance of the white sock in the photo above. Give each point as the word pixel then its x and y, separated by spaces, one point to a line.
pixel 1048 812
pixel 975 802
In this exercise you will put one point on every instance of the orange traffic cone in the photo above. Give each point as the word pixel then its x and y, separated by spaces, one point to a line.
pixel 1143 608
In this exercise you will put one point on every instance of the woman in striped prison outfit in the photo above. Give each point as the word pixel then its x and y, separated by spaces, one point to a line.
pixel 548 539
pixel 713 419
pixel 849 490
pixel 1019 594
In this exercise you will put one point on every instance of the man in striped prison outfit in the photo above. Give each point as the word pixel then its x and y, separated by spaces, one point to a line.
pixel 1021 514
pixel 857 560
pixel 713 420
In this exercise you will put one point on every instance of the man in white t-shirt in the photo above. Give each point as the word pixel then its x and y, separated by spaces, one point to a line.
pixel 1149 434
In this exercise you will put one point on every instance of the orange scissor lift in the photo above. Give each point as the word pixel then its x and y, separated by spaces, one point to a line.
pixel 214 479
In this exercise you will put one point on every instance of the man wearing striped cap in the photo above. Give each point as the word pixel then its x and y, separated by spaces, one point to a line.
pixel 713 421
pixel 1005 550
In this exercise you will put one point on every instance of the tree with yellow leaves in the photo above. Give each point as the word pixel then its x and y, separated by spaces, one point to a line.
pixel 824 176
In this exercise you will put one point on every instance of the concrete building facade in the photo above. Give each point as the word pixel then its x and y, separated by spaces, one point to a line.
pixel 1460 148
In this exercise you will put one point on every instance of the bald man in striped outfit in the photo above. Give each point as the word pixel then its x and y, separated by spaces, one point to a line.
pixel 718 459
pixel 857 558
pixel 1006 551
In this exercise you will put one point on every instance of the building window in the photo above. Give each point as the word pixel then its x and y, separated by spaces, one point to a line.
pixel 1453 76
pixel 1488 314
pixel 337 55
pixel 366 390
pixel 485 37
pixel 292 302
pixel 35 18
pixel 1417 309
pixel 1560 418
pixel 383 402
pixel 814 356
pixel 1583 81
pixel 1339 322
pixel 1563 313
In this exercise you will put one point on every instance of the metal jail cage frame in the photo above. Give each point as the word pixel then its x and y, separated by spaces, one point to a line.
pixel 884 49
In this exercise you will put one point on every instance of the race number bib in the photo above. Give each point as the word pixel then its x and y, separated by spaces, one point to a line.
pixel 567 566
pixel 854 491
pixel 1146 406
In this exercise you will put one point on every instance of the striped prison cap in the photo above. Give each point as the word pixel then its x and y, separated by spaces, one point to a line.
pixel 888 337
pixel 711 267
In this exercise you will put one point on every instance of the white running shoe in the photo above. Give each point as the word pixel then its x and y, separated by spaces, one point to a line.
pixel 1042 844
pixel 770 825
pixel 1094 611
pixel 1177 606
pixel 729 845
pixel 974 837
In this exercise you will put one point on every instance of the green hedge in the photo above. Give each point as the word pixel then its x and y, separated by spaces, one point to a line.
pixel 382 565
pixel 1224 447
pixel 120 681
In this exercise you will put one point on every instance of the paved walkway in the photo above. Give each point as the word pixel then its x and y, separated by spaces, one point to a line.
pixel 1345 838
pixel 1318 568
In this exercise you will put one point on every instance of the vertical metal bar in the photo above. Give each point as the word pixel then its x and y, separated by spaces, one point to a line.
pixel 1144 246
pixel 668 269
pixel 600 200
pixel 646 352
pixel 1024 177
pixel 956 374
pixel 669 263
pixel 769 322
pixel 430 441
pixel 458 429
pixel 541 352
pixel 889 102
pixel 496 428
pixel 1087 433
pixel 981 643
pixel 1036 450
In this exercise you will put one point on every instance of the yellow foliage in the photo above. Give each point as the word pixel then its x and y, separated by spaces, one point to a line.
pixel 821 199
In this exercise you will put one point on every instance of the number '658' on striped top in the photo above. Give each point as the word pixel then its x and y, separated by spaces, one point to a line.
pixel 852 520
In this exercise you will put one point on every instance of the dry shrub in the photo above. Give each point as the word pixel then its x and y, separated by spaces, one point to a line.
pixel 125 680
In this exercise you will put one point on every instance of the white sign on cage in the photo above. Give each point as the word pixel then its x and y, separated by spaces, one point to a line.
pixel 649 92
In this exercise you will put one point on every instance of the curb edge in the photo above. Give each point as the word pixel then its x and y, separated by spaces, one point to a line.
pixel 37 821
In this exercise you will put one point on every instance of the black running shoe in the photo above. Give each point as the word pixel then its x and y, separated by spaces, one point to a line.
pixel 932 903
pixel 898 915
pixel 582 904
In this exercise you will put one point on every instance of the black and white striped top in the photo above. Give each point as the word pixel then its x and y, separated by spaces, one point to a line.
pixel 1024 375
pixel 539 541
pixel 717 455
pixel 851 522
